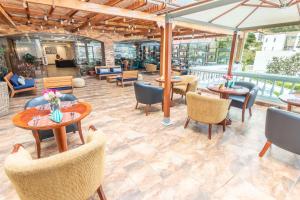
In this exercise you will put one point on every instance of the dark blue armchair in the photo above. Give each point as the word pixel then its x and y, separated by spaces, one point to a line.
pixel 147 94
pixel 247 101
pixel 45 134
pixel 282 129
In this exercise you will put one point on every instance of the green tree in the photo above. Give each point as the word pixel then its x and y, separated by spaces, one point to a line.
pixel 250 48
pixel 285 65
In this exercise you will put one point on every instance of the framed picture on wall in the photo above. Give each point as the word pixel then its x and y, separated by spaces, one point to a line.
pixel 50 50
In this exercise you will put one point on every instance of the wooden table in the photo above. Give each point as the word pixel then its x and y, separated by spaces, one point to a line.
pixel 173 81
pixel 111 78
pixel 38 119
pixel 226 92
pixel 292 99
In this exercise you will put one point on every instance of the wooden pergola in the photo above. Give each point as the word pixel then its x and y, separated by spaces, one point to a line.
pixel 231 15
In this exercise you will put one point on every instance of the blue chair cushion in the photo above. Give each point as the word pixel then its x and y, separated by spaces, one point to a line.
pixel 28 84
pixel 14 80
pixel 119 70
pixel 126 79
pixel 62 88
pixel 237 101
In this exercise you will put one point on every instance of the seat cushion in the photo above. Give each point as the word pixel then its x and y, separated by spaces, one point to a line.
pixel 237 101
pixel 179 89
pixel 118 70
pixel 62 88
pixel 126 79
pixel 14 80
pixel 28 84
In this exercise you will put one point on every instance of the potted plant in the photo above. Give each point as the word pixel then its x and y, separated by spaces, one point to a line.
pixel 29 59
pixel 3 72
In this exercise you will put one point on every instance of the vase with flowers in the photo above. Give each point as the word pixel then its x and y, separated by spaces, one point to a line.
pixel 53 97
pixel 229 83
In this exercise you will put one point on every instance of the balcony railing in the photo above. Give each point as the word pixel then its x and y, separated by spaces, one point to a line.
pixel 270 85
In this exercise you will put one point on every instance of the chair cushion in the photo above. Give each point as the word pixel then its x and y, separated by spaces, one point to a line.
pixel 237 101
pixel 118 69
pixel 28 84
pixel 62 88
pixel 14 80
pixel 126 79
pixel 179 89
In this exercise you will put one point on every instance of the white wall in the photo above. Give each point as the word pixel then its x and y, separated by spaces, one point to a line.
pixel 64 50
pixel 274 42
pixel 263 58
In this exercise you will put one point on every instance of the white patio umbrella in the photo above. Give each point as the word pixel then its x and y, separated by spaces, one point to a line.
pixel 240 15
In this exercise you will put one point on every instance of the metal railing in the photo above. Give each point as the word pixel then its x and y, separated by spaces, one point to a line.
pixel 270 85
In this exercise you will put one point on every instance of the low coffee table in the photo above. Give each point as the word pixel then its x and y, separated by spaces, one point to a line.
pixel 111 78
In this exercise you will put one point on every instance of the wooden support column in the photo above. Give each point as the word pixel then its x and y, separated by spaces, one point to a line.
pixel 240 47
pixel 162 36
pixel 167 71
pixel 229 72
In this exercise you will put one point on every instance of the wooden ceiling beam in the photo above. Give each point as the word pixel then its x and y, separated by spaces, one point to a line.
pixel 135 5
pixel 27 11
pixel 101 9
pixel 51 11
pixel 6 17
pixel 152 9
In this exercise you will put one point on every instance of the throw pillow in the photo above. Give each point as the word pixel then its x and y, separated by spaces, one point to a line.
pixel 104 70
pixel 14 80
pixel 21 80
pixel 117 69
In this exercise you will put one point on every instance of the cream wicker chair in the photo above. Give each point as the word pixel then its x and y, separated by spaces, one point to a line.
pixel 188 84
pixel 151 68
pixel 76 174
pixel 206 110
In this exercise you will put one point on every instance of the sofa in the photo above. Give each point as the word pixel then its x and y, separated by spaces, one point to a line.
pixel 104 71
pixel 64 63
pixel 15 87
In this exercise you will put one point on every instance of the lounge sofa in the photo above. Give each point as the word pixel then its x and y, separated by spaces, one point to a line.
pixel 15 87
pixel 127 77
pixel 104 71
pixel 64 63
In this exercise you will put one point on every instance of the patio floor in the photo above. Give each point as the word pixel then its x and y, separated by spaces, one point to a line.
pixel 146 160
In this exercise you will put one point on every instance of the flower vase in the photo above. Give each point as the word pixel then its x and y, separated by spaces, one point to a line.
pixel 55 114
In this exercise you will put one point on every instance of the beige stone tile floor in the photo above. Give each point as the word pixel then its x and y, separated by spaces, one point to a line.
pixel 146 160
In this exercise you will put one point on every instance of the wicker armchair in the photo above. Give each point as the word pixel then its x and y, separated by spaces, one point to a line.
pixel 76 174
pixel 188 84
pixel 206 110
